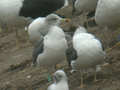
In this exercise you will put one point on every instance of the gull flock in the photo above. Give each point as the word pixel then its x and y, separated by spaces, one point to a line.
pixel 51 46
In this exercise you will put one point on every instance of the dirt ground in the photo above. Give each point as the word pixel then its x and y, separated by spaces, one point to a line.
pixel 16 72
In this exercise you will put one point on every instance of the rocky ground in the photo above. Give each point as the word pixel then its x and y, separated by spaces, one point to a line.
pixel 16 72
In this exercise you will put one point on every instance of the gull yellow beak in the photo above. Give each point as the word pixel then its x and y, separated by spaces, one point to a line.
pixel 67 20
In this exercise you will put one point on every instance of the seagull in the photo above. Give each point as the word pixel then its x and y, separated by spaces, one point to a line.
pixel 40 27
pixel 29 8
pixel 40 8
pixel 89 50
pixel 13 12
pixel 87 7
pixel 84 5
pixel 51 49
pixel 60 81
pixel 108 15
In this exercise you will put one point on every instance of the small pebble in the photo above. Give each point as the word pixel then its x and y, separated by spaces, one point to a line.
pixel 29 76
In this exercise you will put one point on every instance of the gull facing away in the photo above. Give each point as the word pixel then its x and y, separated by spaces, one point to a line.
pixel 89 50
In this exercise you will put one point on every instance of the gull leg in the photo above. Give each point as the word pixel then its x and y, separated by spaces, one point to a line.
pixel 28 41
pixel 98 68
pixel 73 7
pixel 95 77
pixel 0 30
pixel 17 39
pixel 82 80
